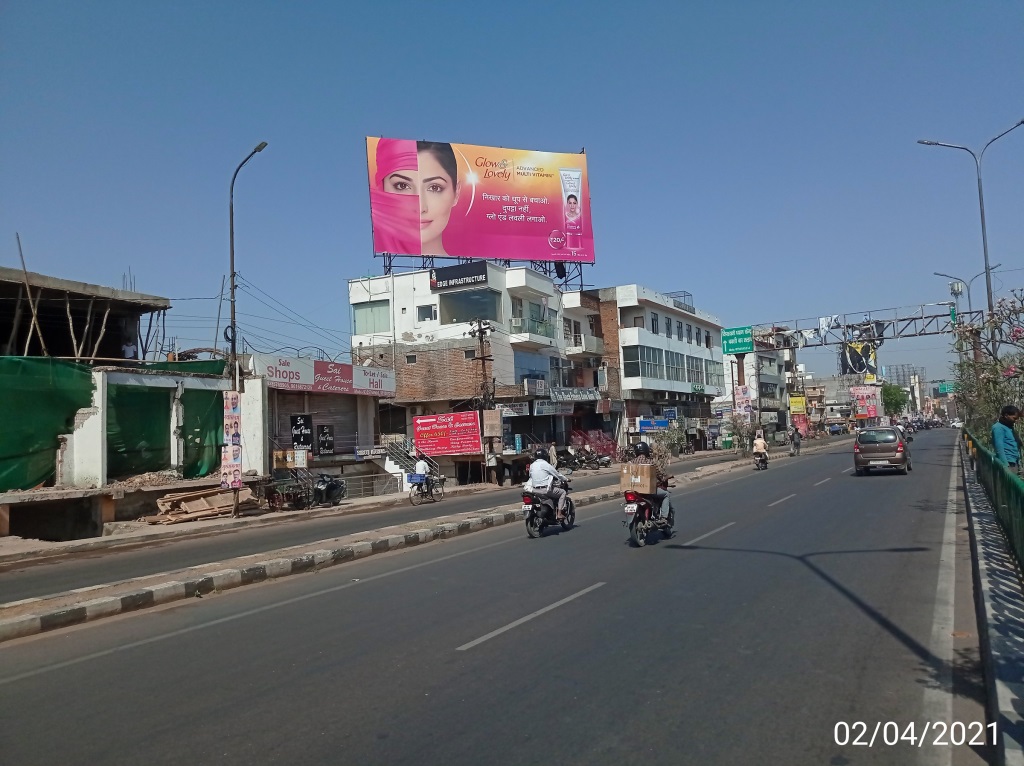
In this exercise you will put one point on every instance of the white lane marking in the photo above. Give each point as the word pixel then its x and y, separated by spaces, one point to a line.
pixel 846 470
pixel 822 482
pixel 938 698
pixel 787 497
pixel 708 534
pixel 527 618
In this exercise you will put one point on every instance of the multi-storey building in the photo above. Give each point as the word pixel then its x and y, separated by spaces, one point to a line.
pixel 553 362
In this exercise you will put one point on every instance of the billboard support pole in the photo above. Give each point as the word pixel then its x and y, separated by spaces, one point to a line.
pixel 480 332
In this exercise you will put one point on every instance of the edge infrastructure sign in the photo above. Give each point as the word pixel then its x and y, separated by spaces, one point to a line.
pixel 738 340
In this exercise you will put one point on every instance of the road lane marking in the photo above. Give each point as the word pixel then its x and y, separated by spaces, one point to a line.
pixel 787 497
pixel 708 534
pixel 846 470
pixel 527 618
pixel 822 482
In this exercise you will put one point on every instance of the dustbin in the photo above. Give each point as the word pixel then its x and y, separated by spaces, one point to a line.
pixel 726 442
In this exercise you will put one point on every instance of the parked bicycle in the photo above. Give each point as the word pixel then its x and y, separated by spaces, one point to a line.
pixel 425 487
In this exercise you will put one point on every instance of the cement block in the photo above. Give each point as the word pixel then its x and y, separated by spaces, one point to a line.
pixel 323 557
pixel 102 607
pixel 168 591
pixel 278 567
pixel 362 549
pixel 225 579
pixel 17 627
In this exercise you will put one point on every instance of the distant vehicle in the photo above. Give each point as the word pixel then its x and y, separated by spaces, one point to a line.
pixel 883 448
pixel 956 423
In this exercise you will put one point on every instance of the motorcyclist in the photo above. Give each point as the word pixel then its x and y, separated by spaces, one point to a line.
pixel 544 480
pixel 662 500
pixel 760 448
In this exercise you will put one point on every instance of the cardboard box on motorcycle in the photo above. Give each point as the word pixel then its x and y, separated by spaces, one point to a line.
pixel 639 478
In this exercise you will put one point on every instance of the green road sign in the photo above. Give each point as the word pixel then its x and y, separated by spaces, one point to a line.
pixel 947 387
pixel 738 340
pixel 952 314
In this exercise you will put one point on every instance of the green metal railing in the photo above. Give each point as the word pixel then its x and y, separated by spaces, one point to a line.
pixel 1005 491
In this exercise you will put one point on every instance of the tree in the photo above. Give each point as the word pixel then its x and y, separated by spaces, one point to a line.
pixel 894 399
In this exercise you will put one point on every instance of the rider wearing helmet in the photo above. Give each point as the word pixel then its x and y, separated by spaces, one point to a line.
pixel 662 501
pixel 542 478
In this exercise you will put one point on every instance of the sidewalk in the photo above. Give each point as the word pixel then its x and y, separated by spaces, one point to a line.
pixel 36 615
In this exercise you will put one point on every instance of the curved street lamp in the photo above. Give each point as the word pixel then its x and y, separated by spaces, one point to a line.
pixel 236 378
pixel 981 202
pixel 967 282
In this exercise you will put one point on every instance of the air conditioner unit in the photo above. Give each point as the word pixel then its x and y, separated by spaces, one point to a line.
pixel 414 411
pixel 516 323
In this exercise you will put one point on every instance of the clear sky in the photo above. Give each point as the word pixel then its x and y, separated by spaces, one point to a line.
pixel 760 155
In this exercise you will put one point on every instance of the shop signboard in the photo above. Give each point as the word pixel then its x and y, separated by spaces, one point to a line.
pixel 738 340
pixel 545 407
pixel 321 376
pixel 534 387
pixel 302 432
pixel 492 423
pixel 489 202
pixel 454 433
pixel 672 413
pixel 462 275
pixel 325 440
pixel 617 405
pixel 368 452
pixel 514 409
pixel 797 405
pixel 653 425
pixel 575 395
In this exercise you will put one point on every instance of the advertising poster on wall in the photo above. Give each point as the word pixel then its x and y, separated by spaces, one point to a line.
pixel 744 405
pixel 866 400
pixel 456 433
pixel 231 451
pixel 442 199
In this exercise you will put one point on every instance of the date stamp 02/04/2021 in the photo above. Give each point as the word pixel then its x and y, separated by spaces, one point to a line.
pixel 927 734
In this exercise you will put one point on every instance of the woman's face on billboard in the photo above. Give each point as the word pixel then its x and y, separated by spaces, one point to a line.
pixel 438 194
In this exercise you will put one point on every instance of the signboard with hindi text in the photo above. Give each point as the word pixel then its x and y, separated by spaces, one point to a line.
pixel 454 433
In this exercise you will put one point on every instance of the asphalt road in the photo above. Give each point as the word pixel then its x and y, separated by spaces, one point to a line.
pixel 42 577
pixel 788 602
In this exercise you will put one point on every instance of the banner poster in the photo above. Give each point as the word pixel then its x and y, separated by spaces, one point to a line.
pixel 858 358
pixel 231 451
pixel 302 432
pixel 744 403
pixel 462 200
pixel 455 433
pixel 797 405
pixel 865 398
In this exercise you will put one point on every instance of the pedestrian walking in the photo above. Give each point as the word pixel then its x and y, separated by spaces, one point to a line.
pixel 1005 441
pixel 797 438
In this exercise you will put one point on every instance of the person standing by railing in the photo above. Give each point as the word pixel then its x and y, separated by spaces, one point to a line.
pixel 1005 442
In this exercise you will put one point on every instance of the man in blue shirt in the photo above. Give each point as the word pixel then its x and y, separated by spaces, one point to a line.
pixel 1004 438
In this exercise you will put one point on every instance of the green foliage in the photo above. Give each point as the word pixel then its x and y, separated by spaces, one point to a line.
pixel 894 399
pixel 742 432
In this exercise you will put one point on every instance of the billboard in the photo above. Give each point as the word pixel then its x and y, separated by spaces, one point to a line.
pixel 797 405
pixel 866 400
pixel 858 358
pixel 457 433
pixel 738 340
pixel 460 200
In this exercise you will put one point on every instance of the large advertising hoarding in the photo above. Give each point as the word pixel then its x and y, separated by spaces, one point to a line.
pixel 866 400
pixel 457 433
pixel 460 200
pixel 859 358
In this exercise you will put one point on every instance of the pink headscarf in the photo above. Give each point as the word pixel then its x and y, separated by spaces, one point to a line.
pixel 395 217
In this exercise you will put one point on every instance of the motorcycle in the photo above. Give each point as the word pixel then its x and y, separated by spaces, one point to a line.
pixel 646 516
pixel 541 512
pixel 761 461
pixel 592 461
pixel 329 490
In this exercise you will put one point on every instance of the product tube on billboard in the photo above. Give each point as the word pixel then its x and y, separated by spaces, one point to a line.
pixel 461 200
pixel 572 183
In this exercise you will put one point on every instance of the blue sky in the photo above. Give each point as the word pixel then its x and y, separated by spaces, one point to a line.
pixel 760 155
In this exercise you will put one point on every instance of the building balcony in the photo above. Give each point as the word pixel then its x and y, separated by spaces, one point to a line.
pixel 584 345
pixel 531 333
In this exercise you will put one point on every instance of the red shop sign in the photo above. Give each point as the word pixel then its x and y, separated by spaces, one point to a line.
pixel 454 433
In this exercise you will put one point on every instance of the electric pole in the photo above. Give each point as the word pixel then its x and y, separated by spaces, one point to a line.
pixel 480 332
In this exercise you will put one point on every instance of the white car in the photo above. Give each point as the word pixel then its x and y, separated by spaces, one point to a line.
pixel 956 423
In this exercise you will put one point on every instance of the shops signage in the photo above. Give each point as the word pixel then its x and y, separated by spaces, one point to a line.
pixel 492 424
pixel 302 432
pixel 575 394
pixel 366 452
pixel 650 426
pixel 738 340
pixel 514 409
pixel 318 376
pixel 325 440
pixel 672 413
pixel 463 275
pixel 618 405
pixel 532 387
pixel 454 433
pixel 797 405
pixel 697 388
pixel 544 407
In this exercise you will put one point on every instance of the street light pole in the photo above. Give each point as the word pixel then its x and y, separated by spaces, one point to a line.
pixel 235 377
pixel 967 282
pixel 981 202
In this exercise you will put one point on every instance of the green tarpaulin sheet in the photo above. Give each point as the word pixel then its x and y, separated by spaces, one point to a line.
pixel 203 431
pixel 138 430
pixel 38 401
